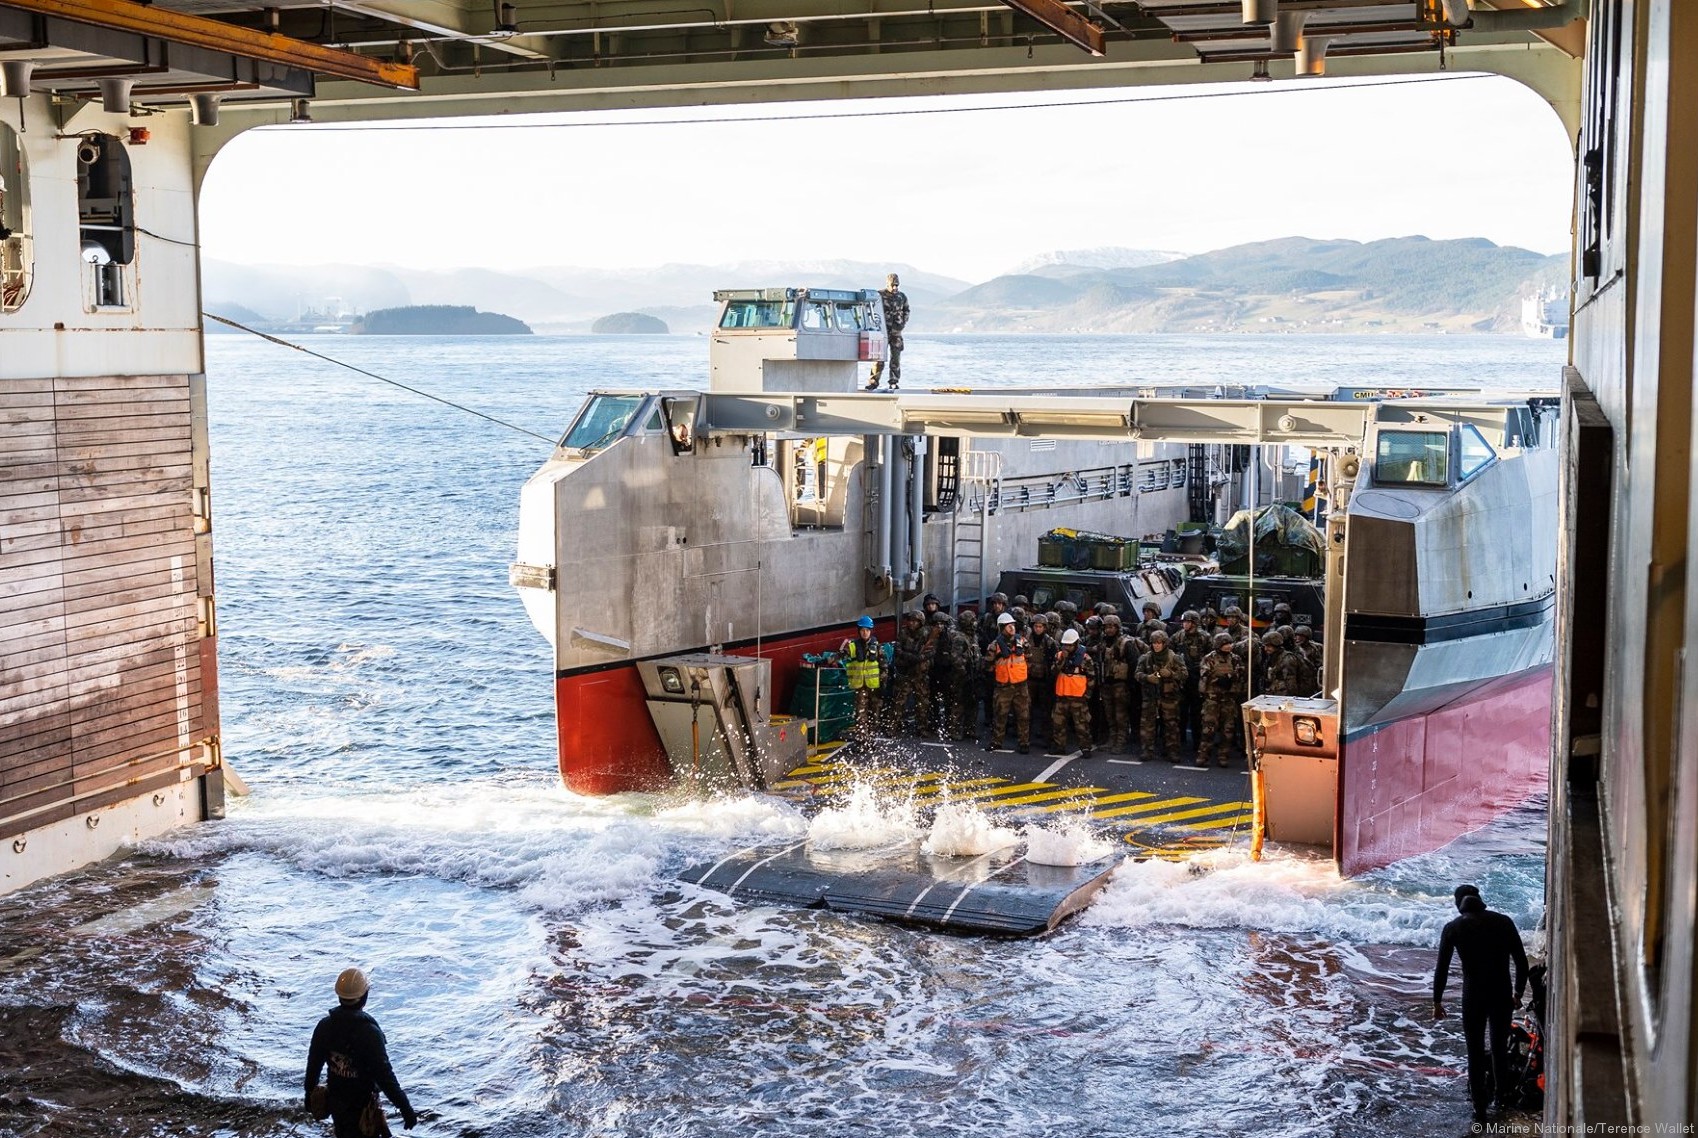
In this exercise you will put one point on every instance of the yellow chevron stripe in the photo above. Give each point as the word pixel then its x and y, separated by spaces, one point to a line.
pixel 1142 807
pixel 1200 812
pixel 1074 794
pixel 953 790
pixel 1220 823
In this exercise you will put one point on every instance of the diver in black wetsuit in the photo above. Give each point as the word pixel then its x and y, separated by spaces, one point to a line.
pixel 1488 943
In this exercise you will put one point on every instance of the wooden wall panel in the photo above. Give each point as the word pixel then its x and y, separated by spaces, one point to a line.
pixel 107 688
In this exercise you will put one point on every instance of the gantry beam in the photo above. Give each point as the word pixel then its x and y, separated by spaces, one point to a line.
pixel 1067 23
pixel 216 35
pixel 449 20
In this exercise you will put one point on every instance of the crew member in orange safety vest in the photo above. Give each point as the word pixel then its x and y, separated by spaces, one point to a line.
pixel 1006 655
pixel 1072 691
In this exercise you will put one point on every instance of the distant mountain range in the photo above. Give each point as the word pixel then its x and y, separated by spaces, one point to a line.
pixel 1291 284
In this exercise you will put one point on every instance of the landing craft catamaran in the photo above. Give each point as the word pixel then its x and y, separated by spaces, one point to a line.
pixel 763 515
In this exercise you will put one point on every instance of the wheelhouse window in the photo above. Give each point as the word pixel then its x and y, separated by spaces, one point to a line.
pixel 851 318
pixel 1476 453
pixel 1412 458
pixel 758 314
pixel 603 419
pixel 816 316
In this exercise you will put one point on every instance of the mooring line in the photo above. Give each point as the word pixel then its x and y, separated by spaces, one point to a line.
pixel 380 378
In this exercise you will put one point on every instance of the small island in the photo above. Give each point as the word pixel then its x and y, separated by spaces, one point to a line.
pixel 438 320
pixel 630 324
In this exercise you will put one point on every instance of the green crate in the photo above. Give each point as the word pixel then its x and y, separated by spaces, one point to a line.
pixel 1052 553
pixel 1113 555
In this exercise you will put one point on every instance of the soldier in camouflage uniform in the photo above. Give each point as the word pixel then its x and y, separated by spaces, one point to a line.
pixel 1041 648
pixel 1118 657
pixel 935 664
pixel 956 696
pixel 895 319
pixel 1007 658
pixel 1222 682
pixel 1091 636
pixel 1162 674
pixel 1303 640
pixel 1236 626
pixel 1069 614
pixel 1072 677
pixel 995 606
pixel 1194 645
pixel 967 676
pixel 930 605
pixel 1152 622
pixel 908 675
pixel 1285 671
pixel 1282 621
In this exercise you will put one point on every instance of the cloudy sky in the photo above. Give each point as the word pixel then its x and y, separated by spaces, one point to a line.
pixel 963 186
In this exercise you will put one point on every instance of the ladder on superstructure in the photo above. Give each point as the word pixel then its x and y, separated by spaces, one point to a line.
pixel 981 482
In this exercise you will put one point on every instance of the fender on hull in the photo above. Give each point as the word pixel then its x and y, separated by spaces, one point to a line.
pixel 1408 787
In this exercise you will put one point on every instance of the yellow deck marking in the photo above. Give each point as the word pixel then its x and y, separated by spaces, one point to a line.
pixel 1145 807
pixel 1219 823
pixel 1125 796
pixel 883 781
pixel 954 790
pixel 1200 812
pixel 1073 793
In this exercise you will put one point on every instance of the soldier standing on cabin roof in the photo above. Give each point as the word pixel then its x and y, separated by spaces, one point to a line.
pixel 1162 674
pixel 1194 645
pixel 895 319
pixel 1222 679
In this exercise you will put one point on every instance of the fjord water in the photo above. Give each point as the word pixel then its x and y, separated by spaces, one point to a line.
pixel 538 969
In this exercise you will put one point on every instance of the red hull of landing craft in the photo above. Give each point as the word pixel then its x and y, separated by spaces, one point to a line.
pixel 1416 784
pixel 608 742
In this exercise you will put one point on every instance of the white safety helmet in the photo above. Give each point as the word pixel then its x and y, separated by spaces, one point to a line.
pixel 352 984
pixel 1071 636
pixel 1004 618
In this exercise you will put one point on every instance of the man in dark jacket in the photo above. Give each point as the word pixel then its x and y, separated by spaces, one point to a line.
pixel 350 1043
pixel 1488 944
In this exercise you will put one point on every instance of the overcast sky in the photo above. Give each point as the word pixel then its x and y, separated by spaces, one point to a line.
pixel 965 193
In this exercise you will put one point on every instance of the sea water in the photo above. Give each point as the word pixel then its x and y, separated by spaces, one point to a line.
pixel 537 966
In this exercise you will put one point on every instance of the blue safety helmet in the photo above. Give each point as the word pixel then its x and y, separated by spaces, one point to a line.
pixel 864 622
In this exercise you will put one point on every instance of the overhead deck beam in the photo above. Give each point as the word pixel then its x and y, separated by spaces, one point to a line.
pixel 217 35
pixel 1064 21
pixel 450 21
pixel 1107 418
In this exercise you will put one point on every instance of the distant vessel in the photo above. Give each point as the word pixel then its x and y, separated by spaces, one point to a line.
pixel 1544 315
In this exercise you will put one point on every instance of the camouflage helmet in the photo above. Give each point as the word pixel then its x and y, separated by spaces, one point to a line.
pixel 999 599
pixel 1223 640
pixel 1102 608
pixel 1273 640
pixel 1191 615
pixel 1022 601
pixel 1304 631
pixel 1282 607
pixel 967 618
pixel 1042 618
pixel 913 614
pixel 1093 622
pixel 1210 613
pixel 1067 608
pixel 1052 619
pixel 1111 620
pixel 1151 608
pixel 1019 612
pixel 939 617
pixel 929 599
pixel 1159 636
pixel 1233 612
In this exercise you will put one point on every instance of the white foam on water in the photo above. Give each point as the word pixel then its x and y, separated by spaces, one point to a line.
pixel 560 851
pixel 960 830
pixel 1284 893
pixel 865 821
pixel 1073 844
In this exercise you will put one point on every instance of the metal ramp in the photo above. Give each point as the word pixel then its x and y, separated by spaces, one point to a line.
pixel 981 479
